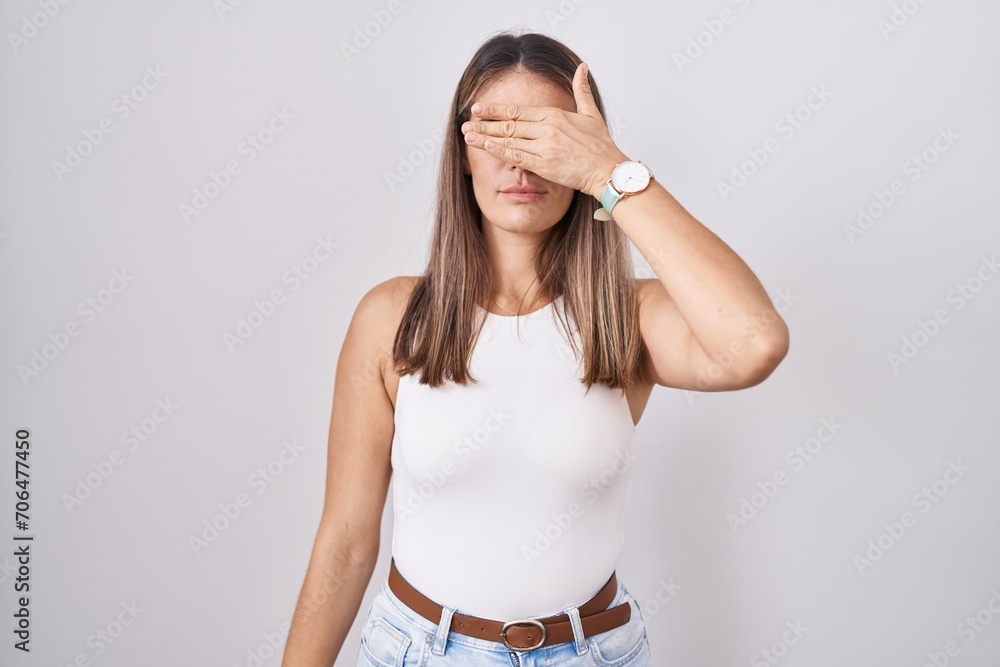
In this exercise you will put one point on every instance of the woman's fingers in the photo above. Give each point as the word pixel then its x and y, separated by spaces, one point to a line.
pixel 495 111
pixel 509 149
pixel 504 128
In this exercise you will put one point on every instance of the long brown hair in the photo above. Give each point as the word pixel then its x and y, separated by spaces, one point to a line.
pixel 584 260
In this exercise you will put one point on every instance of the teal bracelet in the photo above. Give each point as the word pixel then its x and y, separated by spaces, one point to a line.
pixel 610 197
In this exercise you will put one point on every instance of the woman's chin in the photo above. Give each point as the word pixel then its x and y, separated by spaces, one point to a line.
pixel 527 223
pixel 525 218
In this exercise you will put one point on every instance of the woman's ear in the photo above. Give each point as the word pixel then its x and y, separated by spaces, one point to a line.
pixel 466 169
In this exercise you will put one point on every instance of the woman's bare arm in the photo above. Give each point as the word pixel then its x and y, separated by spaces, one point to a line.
pixel 358 473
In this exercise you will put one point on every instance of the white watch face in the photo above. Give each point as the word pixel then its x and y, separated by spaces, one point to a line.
pixel 630 177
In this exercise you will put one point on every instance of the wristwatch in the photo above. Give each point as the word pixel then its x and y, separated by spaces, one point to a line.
pixel 628 178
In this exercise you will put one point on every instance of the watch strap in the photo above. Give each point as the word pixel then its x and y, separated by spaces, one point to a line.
pixel 610 197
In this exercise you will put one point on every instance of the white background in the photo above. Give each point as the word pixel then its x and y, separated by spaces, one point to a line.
pixel 849 301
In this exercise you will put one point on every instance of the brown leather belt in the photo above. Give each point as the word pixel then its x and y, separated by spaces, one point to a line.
pixel 525 634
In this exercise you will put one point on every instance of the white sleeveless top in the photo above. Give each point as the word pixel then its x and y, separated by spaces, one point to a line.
pixel 508 495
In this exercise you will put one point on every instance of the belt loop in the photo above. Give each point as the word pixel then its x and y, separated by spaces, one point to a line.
pixel 579 641
pixel 444 627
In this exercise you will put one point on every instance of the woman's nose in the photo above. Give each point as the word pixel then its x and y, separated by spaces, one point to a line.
pixel 515 169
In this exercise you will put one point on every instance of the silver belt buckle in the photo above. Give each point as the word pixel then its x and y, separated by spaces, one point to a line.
pixel 529 621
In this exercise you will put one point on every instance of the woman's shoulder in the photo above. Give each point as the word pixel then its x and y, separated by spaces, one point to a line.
pixel 389 295
pixel 381 308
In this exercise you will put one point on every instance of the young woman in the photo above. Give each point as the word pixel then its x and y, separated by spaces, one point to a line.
pixel 500 390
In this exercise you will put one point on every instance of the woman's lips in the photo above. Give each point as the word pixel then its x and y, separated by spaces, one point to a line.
pixel 523 196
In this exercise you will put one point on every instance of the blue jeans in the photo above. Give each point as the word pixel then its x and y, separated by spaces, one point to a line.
pixel 396 636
